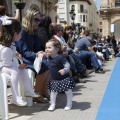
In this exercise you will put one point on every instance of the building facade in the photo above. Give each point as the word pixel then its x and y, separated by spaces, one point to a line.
pixel 85 10
pixel 46 6
pixel 110 14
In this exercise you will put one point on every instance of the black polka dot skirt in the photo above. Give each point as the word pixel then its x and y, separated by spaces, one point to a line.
pixel 61 85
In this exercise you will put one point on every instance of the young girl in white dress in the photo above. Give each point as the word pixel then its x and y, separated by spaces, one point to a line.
pixel 60 79
pixel 10 32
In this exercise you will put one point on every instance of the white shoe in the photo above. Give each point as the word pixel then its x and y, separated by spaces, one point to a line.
pixel 68 107
pixel 19 102
pixel 51 108
pixel 34 95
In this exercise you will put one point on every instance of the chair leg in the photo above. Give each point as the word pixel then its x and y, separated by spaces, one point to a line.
pixel 32 77
pixel 3 95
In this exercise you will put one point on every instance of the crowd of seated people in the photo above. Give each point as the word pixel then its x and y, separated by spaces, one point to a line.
pixel 84 53
pixel 82 49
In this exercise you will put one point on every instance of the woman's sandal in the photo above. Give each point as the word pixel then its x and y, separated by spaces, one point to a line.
pixel 46 97
pixel 40 100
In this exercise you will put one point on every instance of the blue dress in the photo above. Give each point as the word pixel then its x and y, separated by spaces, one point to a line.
pixel 58 82
pixel 28 46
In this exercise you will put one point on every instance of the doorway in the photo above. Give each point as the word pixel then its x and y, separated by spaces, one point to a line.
pixel 117 33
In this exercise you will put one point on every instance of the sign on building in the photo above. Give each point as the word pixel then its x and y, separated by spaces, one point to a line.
pixel 113 28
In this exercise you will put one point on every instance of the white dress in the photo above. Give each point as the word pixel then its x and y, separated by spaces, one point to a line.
pixel 6 57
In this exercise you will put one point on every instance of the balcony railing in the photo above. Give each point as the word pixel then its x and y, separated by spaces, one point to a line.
pixel 117 4
pixel 88 1
pixel 82 11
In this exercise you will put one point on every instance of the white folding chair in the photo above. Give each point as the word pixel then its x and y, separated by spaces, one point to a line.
pixel 4 78
pixel 31 75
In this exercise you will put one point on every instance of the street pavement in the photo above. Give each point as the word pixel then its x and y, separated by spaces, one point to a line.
pixel 86 100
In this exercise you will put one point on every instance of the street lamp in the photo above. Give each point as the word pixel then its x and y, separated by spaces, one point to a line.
pixel 20 5
pixel 77 28
pixel 72 16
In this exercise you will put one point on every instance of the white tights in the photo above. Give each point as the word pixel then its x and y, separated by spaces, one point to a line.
pixel 69 95
pixel 15 74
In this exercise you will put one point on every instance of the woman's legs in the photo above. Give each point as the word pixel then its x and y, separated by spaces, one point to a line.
pixel 44 90
pixel 41 83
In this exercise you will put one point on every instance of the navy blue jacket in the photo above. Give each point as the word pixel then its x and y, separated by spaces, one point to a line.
pixel 28 46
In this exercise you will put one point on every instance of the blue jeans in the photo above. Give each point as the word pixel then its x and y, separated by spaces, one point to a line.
pixel 106 53
pixel 78 61
pixel 92 56
pixel 118 55
pixel 73 67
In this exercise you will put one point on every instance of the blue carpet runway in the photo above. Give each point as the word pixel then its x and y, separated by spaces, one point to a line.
pixel 110 105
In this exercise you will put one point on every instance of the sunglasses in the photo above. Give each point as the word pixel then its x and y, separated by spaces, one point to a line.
pixel 36 19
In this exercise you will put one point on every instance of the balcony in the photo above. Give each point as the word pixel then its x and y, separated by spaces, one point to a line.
pixel 82 11
pixel 88 1
pixel 112 9
pixel 117 4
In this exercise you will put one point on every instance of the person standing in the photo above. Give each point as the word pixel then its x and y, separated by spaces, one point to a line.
pixel 59 71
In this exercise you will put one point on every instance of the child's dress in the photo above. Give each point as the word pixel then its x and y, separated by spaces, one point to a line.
pixel 58 82
pixel 10 66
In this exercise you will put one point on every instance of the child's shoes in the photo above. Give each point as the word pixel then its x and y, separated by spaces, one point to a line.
pixel 51 108
pixel 68 107
pixel 19 101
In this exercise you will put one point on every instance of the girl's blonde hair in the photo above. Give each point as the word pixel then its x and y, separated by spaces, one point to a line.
pixel 28 18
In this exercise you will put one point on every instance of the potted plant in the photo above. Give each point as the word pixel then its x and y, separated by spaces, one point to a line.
pixel 19 4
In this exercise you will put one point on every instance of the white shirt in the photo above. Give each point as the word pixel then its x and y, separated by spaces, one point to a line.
pixel 6 57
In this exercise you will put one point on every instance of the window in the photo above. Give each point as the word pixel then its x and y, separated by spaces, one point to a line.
pixel 80 18
pixel 81 8
pixel 83 18
pixel 60 0
pixel 100 30
pixel 61 18
pixel 100 23
pixel 72 7
pixel 117 3
pixel 86 18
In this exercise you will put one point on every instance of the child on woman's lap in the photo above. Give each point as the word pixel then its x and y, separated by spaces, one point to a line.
pixel 60 78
